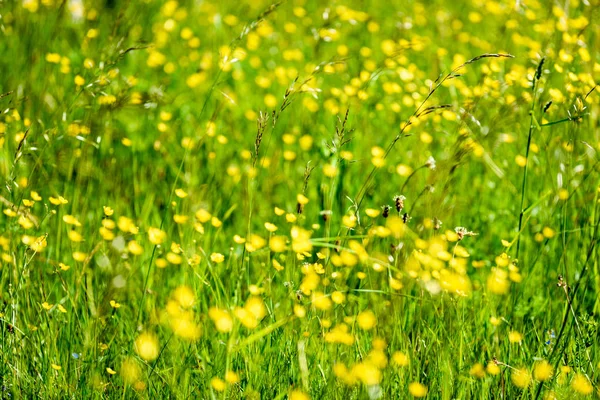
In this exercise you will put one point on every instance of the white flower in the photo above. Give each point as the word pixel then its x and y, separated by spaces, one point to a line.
pixel 430 163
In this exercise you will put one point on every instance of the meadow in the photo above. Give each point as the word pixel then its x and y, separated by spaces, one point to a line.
pixel 307 199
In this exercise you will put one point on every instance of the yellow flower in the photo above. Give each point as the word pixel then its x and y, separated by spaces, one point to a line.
pixel 277 265
pixel 367 373
pixel 71 220
pixel 492 368
pixel 497 281
pixel 252 313
pixel 339 334
pixel 277 244
pixel 520 378
pixel 53 58
pixel 563 194
pixel 74 236
pixel 542 371
pixel 366 320
pixel 126 225
pixel 155 59
pixel 270 227
pixel 238 239
pixel 31 5
pixel 417 389
pixel 130 370
pixel 107 100
pixel 185 328
pixel 203 215
pixel 106 233
pixel 135 248
pixel 256 307
pixel 373 213
pixel 548 232
pixel 330 170
pixel 218 384
pixel 302 199
pixel 114 304
pixel 270 100
pixel 400 359
pixel 515 337
pixel 254 243
pixel 184 296
pixel 174 258
pixel 111 371
pixel 342 373
pixel 255 290
pixel 108 223
pixel 299 311
pixel 404 170
pixel 79 256
pixel 349 221
pixel 477 370
pixel 146 346
pixel 581 384
pixel 298 395
pixel 232 377
pixel 156 236
pixel 217 258
pixel 216 222
pixel 195 79
pixel 338 297
pixel 321 301
pixel 56 367
pixel 396 226
pixel 35 196
pixel 221 318
pixel 301 240
pixel 39 244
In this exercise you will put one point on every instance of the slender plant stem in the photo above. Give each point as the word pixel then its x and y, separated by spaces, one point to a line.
pixel 524 183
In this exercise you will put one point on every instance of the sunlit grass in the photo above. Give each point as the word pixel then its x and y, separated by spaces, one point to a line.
pixel 299 200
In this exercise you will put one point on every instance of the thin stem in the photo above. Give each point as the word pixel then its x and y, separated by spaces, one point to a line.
pixel 524 184
pixel 409 178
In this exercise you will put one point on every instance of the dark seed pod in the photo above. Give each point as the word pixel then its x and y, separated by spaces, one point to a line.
pixel 325 215
pixel 538 72
pixel 386 211
pixel 399 202
pixel 405 218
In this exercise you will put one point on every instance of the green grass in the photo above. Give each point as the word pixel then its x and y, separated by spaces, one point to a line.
pixel 223 169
